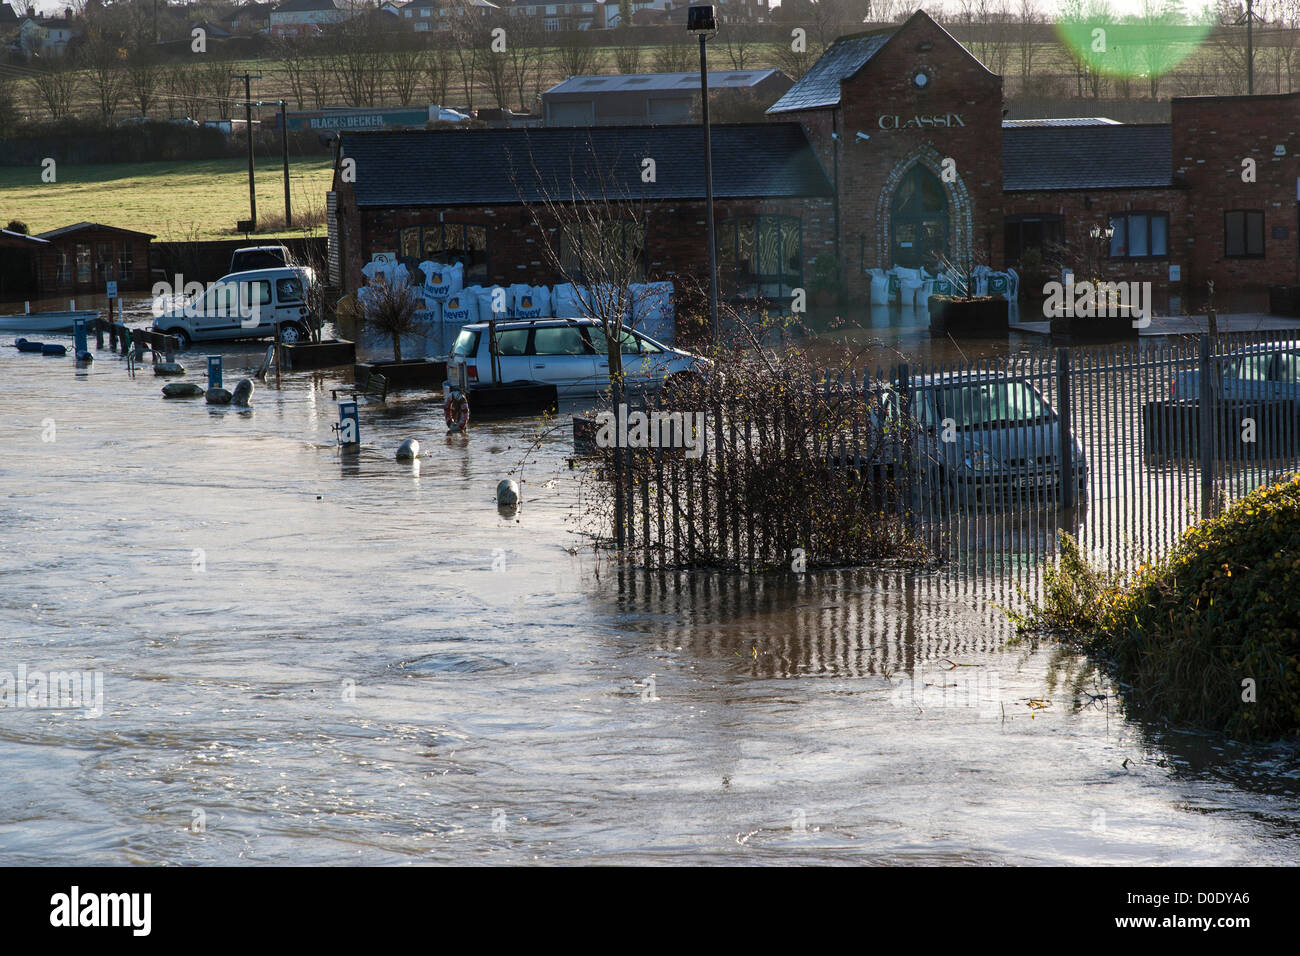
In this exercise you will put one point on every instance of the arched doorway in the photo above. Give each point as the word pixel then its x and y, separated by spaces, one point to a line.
pixel 919 220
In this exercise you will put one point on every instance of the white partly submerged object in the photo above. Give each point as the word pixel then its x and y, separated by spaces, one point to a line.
pixel 507 493
pixel 45 321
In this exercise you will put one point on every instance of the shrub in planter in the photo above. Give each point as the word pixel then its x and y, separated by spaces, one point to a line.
pixel 984 313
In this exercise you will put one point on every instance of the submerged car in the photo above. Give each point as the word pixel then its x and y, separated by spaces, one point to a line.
pixel 571 354
pixel 1270 372
pixel 984 437
pixel 244 305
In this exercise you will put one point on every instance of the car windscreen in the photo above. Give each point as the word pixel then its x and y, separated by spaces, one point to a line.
pixel 981 404
pixel 466 344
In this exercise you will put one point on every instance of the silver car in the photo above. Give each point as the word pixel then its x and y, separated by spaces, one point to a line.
pixel 571 354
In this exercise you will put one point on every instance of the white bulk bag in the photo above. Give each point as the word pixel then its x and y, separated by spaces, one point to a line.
pixel 530 301
pixel 441 280
pixel 571 301
pixel 486 295
pixel 461 308
pixel 653 310
pixel 879 287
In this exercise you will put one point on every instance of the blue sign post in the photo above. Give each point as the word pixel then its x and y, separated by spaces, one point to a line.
pixel 79 348
pixel 214 371
pixel 349 426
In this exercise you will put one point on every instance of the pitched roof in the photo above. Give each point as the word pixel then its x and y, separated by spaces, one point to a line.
pixel 820 86
pixel 83 226
pixel 10 238
pixel 294 6
pixel 639 82
pixel 1086 157
pixel 483 166
pixel 7 14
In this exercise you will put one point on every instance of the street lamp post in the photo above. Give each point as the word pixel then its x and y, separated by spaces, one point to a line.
pixel 702 22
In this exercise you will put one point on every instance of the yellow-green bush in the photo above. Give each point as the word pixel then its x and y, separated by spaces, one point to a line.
pixel 1222 608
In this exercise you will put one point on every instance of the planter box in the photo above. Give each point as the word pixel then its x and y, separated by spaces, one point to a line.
pixel 309 355
pixel 982 314
pixel 417 373
pixel 514 398
pixel 1284 300
pixel 1097 328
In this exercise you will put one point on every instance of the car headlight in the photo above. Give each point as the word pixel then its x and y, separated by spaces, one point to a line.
pixel 977 459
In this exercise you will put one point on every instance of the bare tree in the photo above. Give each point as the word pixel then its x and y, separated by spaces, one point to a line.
pixel 55 88
pixel 493 63
pixel 575 54
pixel 675 56
pixel 437 72
pixel 359 56
pixel 145 78
pixel 105 60
pixel 291 54
pixel 526 54
pixel 406 60
pixel 466 54
pixel 392 309
pixel 600 231
pixel 319 82
pixel 627 51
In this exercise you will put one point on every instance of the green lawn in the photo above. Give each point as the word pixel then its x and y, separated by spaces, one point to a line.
pixel 174 201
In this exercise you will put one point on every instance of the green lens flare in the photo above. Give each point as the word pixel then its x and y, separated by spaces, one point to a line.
pixel 1131 49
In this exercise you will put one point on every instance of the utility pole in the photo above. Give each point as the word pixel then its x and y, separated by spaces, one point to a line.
pixel 1250 47
pixel 248 130
pixel 284 149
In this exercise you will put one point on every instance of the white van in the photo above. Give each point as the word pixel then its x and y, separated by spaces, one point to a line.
pixel 244 305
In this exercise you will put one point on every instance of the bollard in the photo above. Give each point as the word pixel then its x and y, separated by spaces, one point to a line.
pixel 99 335
pixel 169 348
pixel 214 371
pixel 124 338
pixel 27 308
pixel 349 426
pixel 79 337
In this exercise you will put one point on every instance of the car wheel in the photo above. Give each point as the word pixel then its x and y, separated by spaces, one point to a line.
pixel 182 338
pixel 292 334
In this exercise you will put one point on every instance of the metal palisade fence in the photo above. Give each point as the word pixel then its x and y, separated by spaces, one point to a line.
pixel 976 465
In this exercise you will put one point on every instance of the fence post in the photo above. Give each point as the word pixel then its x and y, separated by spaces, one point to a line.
pixel 903 382
pixel 1205 427
pixel 1065 429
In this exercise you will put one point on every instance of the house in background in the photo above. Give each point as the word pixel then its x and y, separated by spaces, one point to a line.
pixel 246 19
pixel 45 36
pixel 305 17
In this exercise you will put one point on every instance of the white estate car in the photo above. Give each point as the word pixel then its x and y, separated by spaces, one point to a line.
pixel 244 305
pixel 570 354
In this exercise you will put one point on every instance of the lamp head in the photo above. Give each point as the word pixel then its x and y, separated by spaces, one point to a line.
pixel 701 21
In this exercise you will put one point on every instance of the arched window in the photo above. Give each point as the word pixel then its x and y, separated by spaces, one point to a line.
pixel 919 220
pixel 760 257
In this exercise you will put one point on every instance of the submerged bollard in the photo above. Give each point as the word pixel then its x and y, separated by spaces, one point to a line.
pixel 79 349
pixel 507 493
pixel 408 450
pixel 214 371
pixel 349 426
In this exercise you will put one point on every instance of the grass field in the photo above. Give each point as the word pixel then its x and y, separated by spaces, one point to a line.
pixel 174 201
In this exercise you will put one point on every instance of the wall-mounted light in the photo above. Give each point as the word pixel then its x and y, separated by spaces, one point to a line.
pixel 864 137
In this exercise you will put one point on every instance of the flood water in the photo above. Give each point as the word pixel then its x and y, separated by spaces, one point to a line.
pixel 315 658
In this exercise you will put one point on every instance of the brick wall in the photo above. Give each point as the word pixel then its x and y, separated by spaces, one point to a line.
pixel 1211 137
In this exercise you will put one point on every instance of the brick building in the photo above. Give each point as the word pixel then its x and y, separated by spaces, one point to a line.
pixel 906 154
pixel 477 196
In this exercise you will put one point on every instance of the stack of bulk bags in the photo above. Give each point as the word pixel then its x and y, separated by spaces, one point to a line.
pixel 440 280
pixel 571 301
pixel 530 302
pixel 652 310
